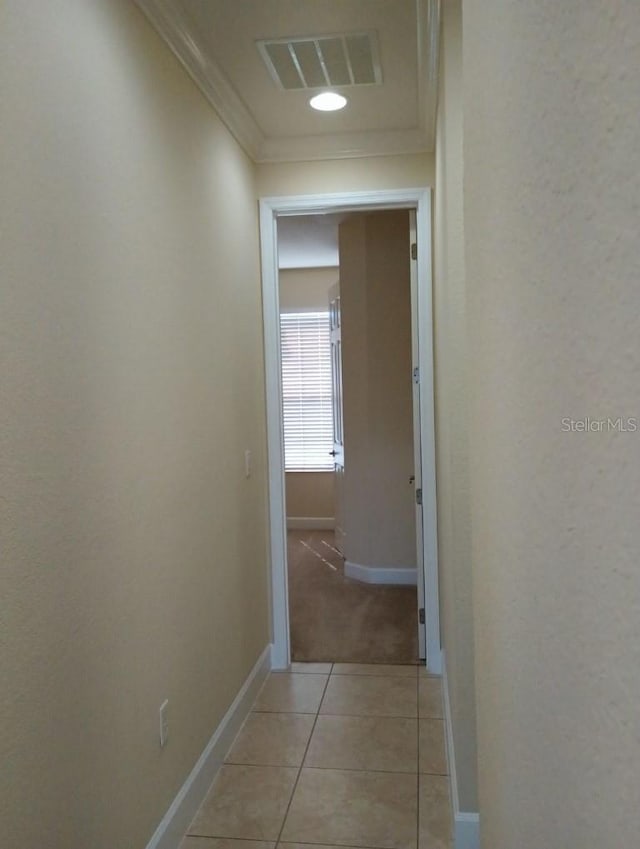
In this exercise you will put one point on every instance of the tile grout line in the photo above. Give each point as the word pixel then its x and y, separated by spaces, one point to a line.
pixel 217 837
pixel 331 845
pixel 349 674
pixel 373 715
pixel 306 749
pixel 293 672
pixel 353 715
pixel 334 769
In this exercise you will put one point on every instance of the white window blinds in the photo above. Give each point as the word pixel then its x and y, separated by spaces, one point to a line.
pixel 306 391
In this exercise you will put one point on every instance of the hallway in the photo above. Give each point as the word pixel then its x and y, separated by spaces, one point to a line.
pixel 142 520
pixel 335 755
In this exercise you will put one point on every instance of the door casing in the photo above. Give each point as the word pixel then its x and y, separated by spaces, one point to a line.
pixel 270 209
pixel 335 321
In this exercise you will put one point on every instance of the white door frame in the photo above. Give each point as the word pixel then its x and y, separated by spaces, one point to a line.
pixel 270 209
pixel 417 433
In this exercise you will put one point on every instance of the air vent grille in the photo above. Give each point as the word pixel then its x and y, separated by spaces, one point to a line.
pixel 326 60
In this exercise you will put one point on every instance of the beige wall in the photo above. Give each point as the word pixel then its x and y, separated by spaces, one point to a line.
pixel 345 175
pixel 309 494
pixel 379 507
pixel 132 382
pixel 552 181
pixel 451 384
pixel 303 289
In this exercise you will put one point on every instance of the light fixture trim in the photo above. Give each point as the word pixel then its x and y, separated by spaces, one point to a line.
pixel 328 101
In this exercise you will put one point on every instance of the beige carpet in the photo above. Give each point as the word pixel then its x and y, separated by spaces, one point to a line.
pixel 333 618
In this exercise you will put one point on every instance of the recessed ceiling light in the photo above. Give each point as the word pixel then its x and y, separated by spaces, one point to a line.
pixel 328 101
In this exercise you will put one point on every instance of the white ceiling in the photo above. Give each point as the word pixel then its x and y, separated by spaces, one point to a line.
pixel 217 42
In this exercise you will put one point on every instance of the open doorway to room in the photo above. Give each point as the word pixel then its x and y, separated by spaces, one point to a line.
pixel 350 561
pixel 347 396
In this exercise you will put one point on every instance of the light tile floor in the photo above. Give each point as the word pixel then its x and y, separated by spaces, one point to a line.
pixel 334 755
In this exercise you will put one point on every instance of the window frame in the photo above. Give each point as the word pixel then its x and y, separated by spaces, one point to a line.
pixel 307 391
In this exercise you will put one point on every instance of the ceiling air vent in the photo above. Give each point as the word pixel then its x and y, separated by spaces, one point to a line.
pixel 323 60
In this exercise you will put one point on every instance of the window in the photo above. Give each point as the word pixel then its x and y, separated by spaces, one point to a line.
pixel 306 391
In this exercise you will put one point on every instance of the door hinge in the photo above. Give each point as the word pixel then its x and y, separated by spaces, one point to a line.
pixel 421 615
pixel 414 250
pixel 416 375
pixel 418 496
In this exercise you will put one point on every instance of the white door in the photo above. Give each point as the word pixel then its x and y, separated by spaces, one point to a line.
pixel 417 444
pixel 338 435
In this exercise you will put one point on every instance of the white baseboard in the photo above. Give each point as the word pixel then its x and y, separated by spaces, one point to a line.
pixel 310 523
pixel 466 830
pixel 170 832
pixel 376 575
pixel 466 824
pixel 280 659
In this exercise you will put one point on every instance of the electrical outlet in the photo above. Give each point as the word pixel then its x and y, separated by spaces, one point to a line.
pixel 247 463
pixel 164 723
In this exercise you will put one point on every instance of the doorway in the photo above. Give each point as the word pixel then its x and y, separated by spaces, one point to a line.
pixel 346 361
pixel 270 210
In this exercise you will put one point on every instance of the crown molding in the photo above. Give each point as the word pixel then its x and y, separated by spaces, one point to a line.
pixel 342 145
pixel 172 24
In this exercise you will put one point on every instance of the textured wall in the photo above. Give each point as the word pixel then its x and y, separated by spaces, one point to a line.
pixel 451 385
pixel 379 507
pixel 345 175
pixel 552 181
pixel 132 382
